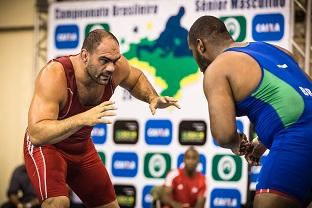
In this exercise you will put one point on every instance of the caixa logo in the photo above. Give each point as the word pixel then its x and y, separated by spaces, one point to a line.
pixel 66 36
pixel 222 198
pixel 125 164
pixel 158 132
pixel 268 27
pixel 98 134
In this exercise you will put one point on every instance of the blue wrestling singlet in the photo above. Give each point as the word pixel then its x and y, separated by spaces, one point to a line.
pixel 280 108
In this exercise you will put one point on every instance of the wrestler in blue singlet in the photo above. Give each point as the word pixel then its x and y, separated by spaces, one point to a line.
pixel 280 109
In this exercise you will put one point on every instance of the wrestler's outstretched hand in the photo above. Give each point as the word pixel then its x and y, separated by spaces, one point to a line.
pixel 98 114
pixel 162 102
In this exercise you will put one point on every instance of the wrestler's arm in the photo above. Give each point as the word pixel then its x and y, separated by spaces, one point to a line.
pixel 220 99
pixel 134 80
pixel 49 94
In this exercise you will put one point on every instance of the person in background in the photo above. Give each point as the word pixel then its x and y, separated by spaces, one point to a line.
pixel 20 192
pixel 185 187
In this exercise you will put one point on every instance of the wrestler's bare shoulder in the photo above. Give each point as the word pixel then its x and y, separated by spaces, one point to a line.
pixel 53 71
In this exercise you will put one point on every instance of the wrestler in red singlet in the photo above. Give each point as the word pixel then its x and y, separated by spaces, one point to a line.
pixel 71 96
pixel 73 161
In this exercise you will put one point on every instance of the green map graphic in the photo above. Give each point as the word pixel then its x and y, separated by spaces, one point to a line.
pixel 169 55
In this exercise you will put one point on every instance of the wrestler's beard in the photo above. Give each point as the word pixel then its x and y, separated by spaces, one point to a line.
pixel 202 63
pixel 91 71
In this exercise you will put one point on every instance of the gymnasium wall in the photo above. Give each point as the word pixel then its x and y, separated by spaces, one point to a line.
pixel 16 65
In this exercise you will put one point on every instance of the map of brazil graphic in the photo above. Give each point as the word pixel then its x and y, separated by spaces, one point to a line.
pixel 168 57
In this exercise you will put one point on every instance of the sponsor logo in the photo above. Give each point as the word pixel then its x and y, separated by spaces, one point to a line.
pixel 156 165
pixel 94 26
pixel 282 66
pixel 158 132
pixel 192 132
pixel 126 132
pixel 236 25
pixel 201 167
pixel 102 156
pixel 98 134
pixel 66 36
pixel 125 164
pixel 226 168
pixel 222 198
pixel 147 198
pixel 306 91
pixel 268 27
pixel 126 195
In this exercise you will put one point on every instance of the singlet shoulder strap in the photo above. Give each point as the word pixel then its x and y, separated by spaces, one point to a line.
pixel 68 69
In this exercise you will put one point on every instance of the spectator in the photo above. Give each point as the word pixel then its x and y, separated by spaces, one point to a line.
pixel 20 192
pixel 185 187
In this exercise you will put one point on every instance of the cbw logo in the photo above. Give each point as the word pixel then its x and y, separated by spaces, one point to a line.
pixel 236 25
pixel 226 167
pixel 156 165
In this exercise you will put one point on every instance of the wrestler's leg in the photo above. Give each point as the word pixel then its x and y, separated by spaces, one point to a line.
pixel 285 178
pixel 56 202
pixel 47 170
pixel 113 204
pixel 91 182
pixel 269 200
